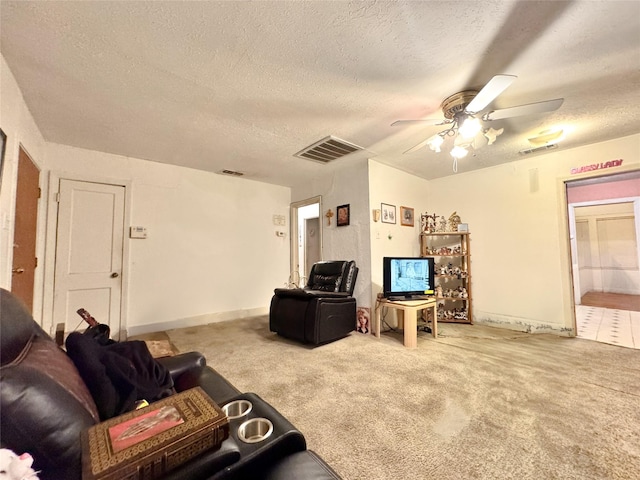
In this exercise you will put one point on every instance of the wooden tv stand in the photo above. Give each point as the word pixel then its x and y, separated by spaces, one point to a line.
pixel 409 311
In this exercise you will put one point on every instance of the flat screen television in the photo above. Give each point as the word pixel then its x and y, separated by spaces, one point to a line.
pixel 408 278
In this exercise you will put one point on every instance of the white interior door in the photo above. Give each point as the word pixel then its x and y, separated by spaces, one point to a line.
pixel 300 211
pixel 89 251
pixel 312 243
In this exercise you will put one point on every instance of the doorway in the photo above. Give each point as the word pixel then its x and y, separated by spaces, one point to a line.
pixel 306 239
pixel 89 253
pixel 26 221
pixel 604 228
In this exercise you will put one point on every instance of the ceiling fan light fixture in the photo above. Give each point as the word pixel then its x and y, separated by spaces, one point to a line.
pixel 492 134
pixel 435 143
pixel 470 127
pixel 458 152
pixel 467 131
pixel 547 137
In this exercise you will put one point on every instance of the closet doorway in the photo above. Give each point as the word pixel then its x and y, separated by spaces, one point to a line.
pixel 604 227
pixel 306 239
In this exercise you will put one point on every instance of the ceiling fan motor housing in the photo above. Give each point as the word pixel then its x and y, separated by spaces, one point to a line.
pixel 456 103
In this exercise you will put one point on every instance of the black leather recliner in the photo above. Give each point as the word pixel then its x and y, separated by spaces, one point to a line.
pixel 45 405
pixel 321 312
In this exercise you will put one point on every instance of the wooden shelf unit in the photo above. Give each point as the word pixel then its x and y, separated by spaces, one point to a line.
pixel 452 254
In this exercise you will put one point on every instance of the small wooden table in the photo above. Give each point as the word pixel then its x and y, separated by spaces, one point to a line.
pixel 409 309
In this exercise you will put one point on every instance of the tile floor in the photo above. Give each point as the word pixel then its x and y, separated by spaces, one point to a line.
pixel 617 327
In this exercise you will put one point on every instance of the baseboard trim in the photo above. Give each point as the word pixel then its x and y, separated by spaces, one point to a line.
pixel 521 325
pixel 196 321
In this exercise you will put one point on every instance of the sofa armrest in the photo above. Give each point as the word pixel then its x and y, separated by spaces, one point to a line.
pixel 305 293
pixel 217 387
pixel 306 464
pixel 190 370
pixel 188 365
pixel 207 463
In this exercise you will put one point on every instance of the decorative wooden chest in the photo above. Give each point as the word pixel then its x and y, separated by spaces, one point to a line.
pixel 149 442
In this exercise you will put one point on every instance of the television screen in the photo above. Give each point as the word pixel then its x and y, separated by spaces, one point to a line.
pixel 408 277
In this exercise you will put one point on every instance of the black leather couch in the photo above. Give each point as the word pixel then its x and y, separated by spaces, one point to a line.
pixel 45 406
pixel 321 312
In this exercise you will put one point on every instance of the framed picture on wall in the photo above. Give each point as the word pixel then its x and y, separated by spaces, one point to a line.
pixel 387 213
pixel 406 216
pixel 343 215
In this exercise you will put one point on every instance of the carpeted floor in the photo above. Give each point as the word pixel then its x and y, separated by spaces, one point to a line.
pixel 477 403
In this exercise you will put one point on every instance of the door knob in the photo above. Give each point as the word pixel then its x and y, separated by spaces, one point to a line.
pixel 114 275
pixel 17 271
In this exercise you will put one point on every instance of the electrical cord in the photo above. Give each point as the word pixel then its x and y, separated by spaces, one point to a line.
pixel 425 327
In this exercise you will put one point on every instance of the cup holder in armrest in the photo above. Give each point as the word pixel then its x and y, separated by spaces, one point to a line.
pixel 263 437
pixel 237 409
pixel 255 430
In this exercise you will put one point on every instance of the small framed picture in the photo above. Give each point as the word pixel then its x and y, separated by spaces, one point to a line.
pixel 406 216
pixel 343 215
pixel 388 213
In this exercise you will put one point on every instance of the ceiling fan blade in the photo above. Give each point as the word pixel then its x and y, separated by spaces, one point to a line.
pixel 418 146
pixel 426 121
pixel 489 92
pixel 528 109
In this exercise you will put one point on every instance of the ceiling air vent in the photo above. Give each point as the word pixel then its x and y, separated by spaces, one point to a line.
pixel 538 149
pixel 233 173
pixel 327 150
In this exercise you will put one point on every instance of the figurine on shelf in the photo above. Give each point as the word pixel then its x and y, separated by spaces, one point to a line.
pixel 439 291
pixel 428 222
pixel 442 225
pixel 460 315
pixel 454 221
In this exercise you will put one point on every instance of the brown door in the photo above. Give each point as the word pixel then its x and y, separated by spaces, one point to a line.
pixel 24 239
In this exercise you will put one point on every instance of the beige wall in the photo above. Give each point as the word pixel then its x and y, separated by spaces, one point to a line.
pixel 519 235
pixel 346 182
pixel 391 186
pixel 204 259
pixel 201 264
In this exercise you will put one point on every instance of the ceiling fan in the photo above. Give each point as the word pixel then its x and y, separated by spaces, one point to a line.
pixel 461 111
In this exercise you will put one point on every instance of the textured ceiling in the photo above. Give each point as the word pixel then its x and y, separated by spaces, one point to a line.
pixel 245 85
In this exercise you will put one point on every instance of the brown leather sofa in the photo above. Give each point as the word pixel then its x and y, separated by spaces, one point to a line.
pixel 45 405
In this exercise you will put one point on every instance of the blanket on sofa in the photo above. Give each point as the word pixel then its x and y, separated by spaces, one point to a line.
pixel 118 374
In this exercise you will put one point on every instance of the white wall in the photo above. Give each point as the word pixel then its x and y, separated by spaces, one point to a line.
pixel 18 124
pixel 393 187
pixel 205 258
pixel 347 183
pixel 608 254
pixel 583 261
pixel 519 236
